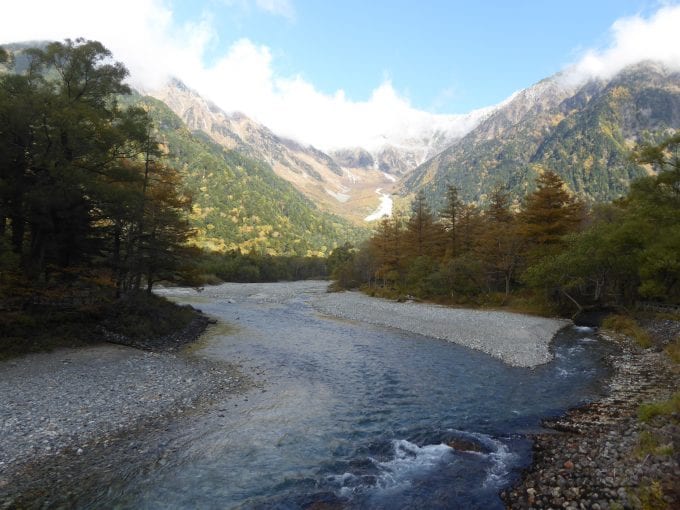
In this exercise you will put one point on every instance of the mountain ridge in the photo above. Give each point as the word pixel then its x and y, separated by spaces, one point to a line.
pixel 584 132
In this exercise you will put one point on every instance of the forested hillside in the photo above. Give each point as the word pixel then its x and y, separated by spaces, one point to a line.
pixel 238 202
pixel 553 251
pixel 583 133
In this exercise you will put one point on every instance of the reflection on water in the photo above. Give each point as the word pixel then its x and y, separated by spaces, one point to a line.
pixel 356 416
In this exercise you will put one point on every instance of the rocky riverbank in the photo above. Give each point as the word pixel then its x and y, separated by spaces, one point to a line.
pixel 602 455
pixel 69 406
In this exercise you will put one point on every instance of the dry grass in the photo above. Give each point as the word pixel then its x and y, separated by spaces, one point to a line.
pixel 627 326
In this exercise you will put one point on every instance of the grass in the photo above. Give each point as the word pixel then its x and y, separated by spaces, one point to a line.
pixel 673 350
pixel 24 332
pixel 650 444
pixel 649 496
pixel 650 410
pixel 627 326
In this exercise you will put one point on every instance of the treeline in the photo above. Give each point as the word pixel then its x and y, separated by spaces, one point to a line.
pixel 548 247
pixel 85 191
pixel 235 266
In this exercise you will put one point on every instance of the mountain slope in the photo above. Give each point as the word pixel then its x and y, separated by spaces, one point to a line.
pixel 584 133
pixel 239 203
pixel 314 173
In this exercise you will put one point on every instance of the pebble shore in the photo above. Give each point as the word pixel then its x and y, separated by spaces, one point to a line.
pixel 516 339
pixel 592 458
pixel 73 401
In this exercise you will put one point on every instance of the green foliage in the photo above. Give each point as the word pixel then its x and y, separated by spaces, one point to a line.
pixel 673 350
pixel 649 444
pixel 253 267
pixel 647 412
pixel 83 185
pixel 649 496
pixel 618 254
pixel 240 203
pixel 141 315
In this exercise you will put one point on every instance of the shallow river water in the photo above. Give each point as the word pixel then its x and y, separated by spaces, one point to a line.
pixel 349 415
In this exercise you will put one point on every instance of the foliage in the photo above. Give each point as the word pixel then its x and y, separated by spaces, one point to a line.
pixel 650 444
pixel 550 248
pixel 254 267
pixel 82 181
pixel 673 350
pixel 465 254
pixel 650 496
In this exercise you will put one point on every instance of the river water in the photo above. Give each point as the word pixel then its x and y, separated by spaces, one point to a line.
pixel 349 415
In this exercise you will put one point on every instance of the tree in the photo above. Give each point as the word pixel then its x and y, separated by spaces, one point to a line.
pixel 81 179
pixel 423 235
pixel 549 213
pixel 450 217
pixel 500 245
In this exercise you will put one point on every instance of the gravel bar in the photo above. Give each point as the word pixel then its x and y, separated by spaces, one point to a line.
pixel 74 398
pixel 516 339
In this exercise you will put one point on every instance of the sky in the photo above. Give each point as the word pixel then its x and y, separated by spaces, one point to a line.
pixel 338 73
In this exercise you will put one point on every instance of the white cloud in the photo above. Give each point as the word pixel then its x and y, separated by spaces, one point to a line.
pixel 634 39
pixel 279 7
pixel 282 8
pixel 146 36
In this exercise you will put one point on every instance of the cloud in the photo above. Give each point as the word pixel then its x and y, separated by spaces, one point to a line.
pixel 147 36
pixel 279 7
pixel 282 8
pixel 634 39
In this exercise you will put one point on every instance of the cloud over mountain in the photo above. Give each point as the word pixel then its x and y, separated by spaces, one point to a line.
pixel 146 36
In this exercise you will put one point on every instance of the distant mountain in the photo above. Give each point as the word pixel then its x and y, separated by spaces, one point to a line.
pixel 584 133
pixel 344 181
pixel 314 173
pixel 239 202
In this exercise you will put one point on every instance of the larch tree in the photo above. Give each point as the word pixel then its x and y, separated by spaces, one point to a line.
pixel 423 235
pixel 549 213
pixel 450 217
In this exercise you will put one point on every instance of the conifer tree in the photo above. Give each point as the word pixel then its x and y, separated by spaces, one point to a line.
pixel 450 217
pixel 549 213
pixel 423 235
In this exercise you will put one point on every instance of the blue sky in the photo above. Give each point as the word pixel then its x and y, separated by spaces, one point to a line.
pixel 343 73
pixel 445 56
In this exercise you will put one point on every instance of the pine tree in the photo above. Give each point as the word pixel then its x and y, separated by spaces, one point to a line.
pixel 423 235
pixel 500 245
pixel 450 217
pixel 549 213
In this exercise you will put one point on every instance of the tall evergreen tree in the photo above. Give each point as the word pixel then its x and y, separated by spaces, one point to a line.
pixel 423 235
pixel 450 217
pixel 549 213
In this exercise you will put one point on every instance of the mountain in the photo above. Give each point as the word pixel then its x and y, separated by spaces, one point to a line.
pixel 350 182
pixel 317 175
pixel 583 132
pixel 239 202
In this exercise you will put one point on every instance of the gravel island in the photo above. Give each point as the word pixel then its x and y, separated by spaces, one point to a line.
pixel 517 339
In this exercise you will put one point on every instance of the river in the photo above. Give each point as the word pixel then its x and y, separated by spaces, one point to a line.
pixel 349 415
